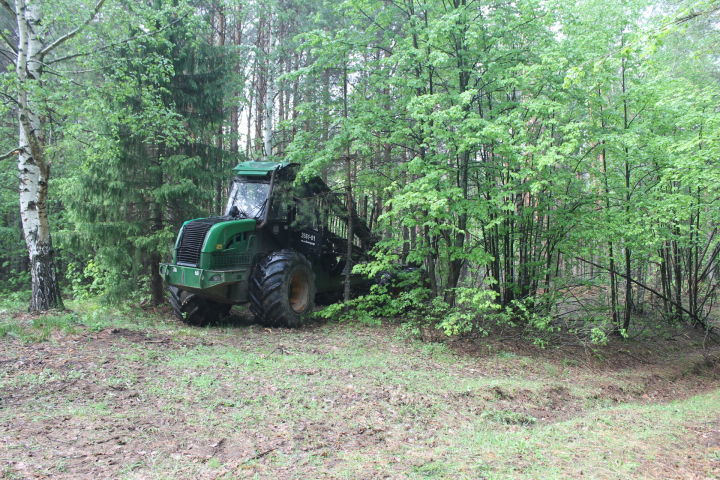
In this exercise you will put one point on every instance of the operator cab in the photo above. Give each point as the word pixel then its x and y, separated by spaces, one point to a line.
pixel 248 198
pixel 254 185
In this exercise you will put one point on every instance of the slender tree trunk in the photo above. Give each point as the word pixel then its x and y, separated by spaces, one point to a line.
pixel 261 84
pixel 406 244
pixel 639 296
pixel 348 196
pixel 455 265
pixel 33 168
pixel 156 281
pixel 611 252
pixel 676 261
pixel 269 98
pixel 295 96
pixel 253 89
pixel 458 243
pixel 665 278
pixel 628 254
pixel 431 261
pixel 677 268
pixel 220 137
pixel 350 229
pixel 694 259
pixel 235 110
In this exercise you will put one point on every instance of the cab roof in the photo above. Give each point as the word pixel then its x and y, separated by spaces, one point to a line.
pixel 259 169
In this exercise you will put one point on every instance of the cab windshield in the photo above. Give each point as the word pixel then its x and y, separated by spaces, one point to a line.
pixel 249 198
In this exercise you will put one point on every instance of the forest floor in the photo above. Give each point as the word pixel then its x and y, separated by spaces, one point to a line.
pixel 129 394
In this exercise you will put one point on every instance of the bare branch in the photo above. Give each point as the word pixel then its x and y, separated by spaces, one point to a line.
pixel 10 56
pixel 695 14
pixel 9 154
pixel 121 42
pixel 4 4
pixel 73 32
pixel 8 42
pixel 9 98
pixel 709 328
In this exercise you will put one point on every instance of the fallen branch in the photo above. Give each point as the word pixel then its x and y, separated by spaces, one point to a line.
pixel 239 464
pixel 260 455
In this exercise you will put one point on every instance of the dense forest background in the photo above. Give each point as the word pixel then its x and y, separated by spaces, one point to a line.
pixel 550 164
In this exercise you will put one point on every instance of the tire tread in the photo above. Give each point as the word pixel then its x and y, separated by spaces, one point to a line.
pixel 268 299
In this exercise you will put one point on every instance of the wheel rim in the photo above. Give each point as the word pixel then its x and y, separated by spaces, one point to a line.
pixel 299 292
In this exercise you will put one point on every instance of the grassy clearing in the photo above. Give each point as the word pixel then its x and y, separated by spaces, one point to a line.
pixel 80 316
pixel 32 328
pixel 128 394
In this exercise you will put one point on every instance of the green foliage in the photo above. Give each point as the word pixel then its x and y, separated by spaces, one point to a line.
pixel 90 279
pixel 474 311
pixel 379 305
pixel 471 307
pixel 498 147
pixel 14 282
pixel 511 155
pixel 153 117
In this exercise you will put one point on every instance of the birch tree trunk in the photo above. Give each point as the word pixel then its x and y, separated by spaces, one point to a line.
pixel 34 169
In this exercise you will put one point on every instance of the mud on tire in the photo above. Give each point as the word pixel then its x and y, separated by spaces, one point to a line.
pixel 195 310
pixel 282 289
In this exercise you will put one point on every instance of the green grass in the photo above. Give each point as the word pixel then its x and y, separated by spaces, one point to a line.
pixel 39 328
pixel 608 443
pixel 336 401
pixel 13 302
pixel 39 379
pixel 89 315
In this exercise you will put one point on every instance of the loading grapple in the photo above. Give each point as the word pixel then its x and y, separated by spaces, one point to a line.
pixel 278 245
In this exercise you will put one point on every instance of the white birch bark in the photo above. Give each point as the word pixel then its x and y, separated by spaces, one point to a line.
pixel 34 171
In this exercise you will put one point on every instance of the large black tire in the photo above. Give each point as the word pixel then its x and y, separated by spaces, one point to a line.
pixel 282 289
pixel 194 309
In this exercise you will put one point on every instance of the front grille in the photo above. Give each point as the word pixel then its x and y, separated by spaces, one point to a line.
pixel 227 260
pixel 191 241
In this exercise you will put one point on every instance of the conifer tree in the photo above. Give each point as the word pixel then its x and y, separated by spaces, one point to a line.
pixel 154 162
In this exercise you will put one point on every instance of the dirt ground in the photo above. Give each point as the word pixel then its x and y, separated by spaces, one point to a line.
pixel 347 401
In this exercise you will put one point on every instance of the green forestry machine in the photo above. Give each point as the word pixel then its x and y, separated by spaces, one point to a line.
pixel 278 245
